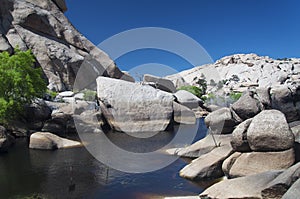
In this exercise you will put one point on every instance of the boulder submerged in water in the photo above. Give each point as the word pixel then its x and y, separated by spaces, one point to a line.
pixel 49 141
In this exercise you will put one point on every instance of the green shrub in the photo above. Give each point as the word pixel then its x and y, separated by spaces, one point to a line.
pixel 192 89
pixel 51 93
pixel 235 96
pixel 89 95
pixel 20 83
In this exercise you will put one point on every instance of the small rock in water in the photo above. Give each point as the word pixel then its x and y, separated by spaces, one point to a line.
pixel 49 141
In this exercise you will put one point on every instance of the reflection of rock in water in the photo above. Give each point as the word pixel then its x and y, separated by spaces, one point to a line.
pixel 69 173
pixel 14 172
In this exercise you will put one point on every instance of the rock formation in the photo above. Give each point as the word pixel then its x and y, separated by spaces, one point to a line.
pixel 133 107
pixel 59 48
pixel 49 141
pixel 240 71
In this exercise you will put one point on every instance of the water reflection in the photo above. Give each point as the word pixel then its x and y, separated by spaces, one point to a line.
pixel 74 173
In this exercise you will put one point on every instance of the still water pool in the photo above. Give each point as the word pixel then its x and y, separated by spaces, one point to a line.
pixel 75 173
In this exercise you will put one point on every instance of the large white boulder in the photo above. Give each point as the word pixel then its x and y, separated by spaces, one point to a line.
pixel 269 131
pixel 133 107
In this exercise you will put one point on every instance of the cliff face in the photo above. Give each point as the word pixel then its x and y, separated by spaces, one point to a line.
pixel 60 49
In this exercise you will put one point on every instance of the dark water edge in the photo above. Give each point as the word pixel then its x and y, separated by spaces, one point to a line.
pixel 75 173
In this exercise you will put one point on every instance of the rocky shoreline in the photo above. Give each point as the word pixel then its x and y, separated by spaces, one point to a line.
pixel 257 147
pixel 254 143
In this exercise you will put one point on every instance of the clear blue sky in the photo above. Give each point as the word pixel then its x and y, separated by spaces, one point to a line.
pixel 222 27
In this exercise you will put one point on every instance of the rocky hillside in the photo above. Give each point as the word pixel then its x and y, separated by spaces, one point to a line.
pixel 60 49
pixel 240 71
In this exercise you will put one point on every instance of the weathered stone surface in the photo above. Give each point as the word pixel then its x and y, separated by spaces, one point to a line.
pixel 201 147
pixel 19 129
pixel 49 141
pixel 188 99
pixel 269 131
pixel 221 121
pixel 183 114
pixel 65 94
pixel 4 45
pixel 247 106
pixel 61 4
pixel 239 137
pixel 242 188
pixel 295 128
pixel 283 100
pixel 132 107
pixel 208 165
pixel 57 125
pixel 251 70
pixel 59 48
pixel 278 187
pixel 212 107
pixel 258 162
pixel 264 97
pixel 227 164
pixel 293 192
pixel 127 77
pixel 160 83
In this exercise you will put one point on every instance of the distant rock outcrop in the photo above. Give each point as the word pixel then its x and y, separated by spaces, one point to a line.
pixel 240 71
pixel 59 48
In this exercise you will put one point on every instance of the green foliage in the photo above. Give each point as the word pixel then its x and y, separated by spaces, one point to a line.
pixel 192 89
pixel 89 95
pixel 235 96
pixel 223 100
pixel 51 93
pixel 20 83
pixel 202 84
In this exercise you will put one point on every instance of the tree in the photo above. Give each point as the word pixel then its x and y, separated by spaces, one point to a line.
pixel 20 83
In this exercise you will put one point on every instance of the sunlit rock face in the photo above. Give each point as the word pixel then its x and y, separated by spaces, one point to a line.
pixel 40 25
pixel 134 107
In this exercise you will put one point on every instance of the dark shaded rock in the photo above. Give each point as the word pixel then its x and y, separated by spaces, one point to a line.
pixel 6 140
pixel 247 106
pixel 160 83
pixel 283 99
pixel 221 121
pixel 239 137
pixel 278 187
pixel 61 4
pixel 264 97
pixel 295 128
pixel 37 111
